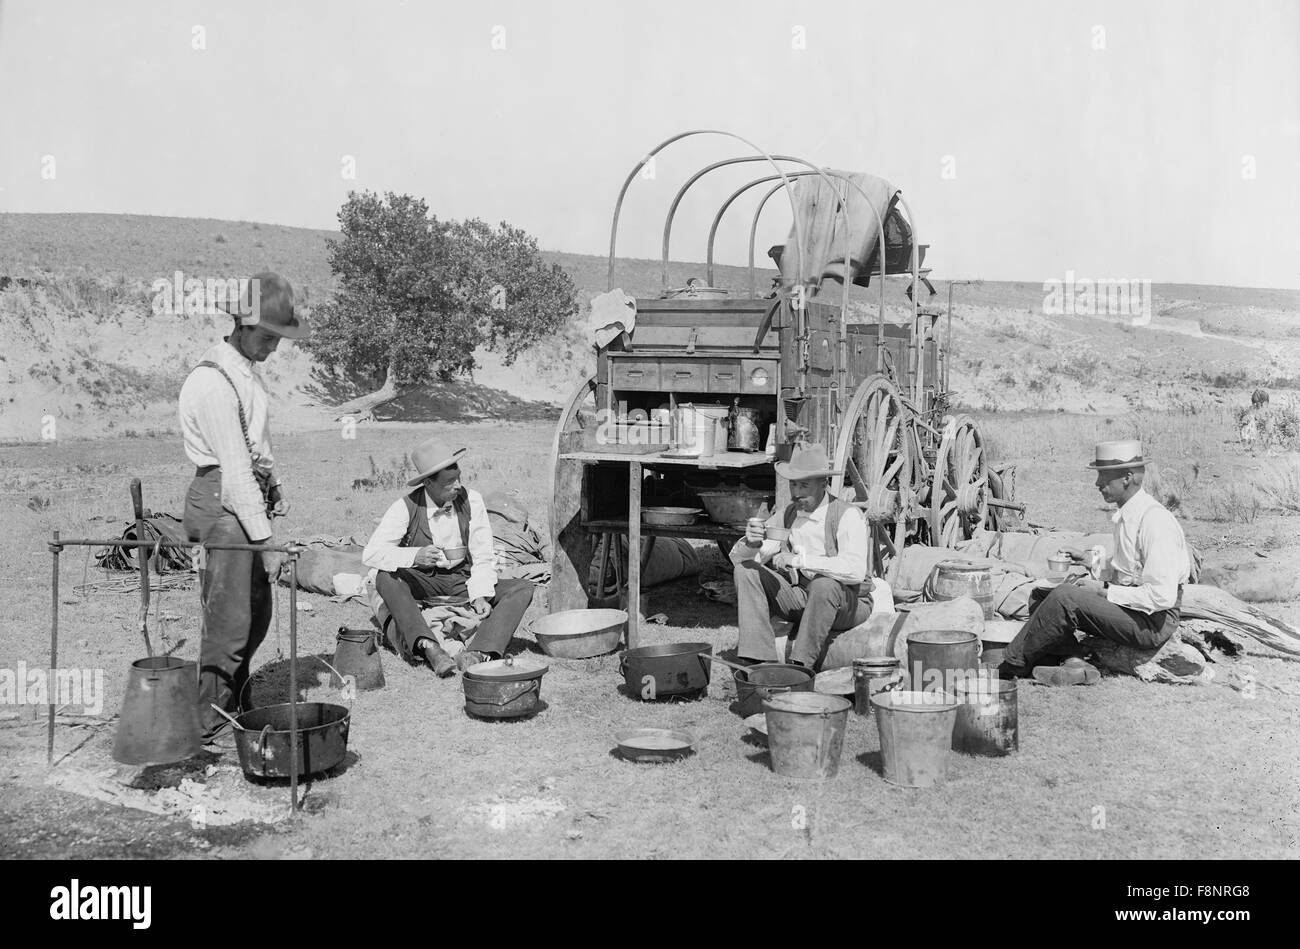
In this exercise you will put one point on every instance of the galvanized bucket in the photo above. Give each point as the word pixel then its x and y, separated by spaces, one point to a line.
pixel 988 721
pixel 356 654
pixel 159 721
pixel 915 736
pixel 938 658
pixel 805 733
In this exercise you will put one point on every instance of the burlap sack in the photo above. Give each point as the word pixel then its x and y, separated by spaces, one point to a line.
pixel 881 635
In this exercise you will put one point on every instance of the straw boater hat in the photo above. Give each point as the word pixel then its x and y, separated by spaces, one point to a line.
pixel 1112 456
pixel 807 462
pixel 430 457
pixel 274 309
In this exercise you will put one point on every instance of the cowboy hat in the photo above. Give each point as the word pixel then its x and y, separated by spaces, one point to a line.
pixel 431 456
pixel 1114 455
pixel 1074 671
pixel 807 462
pixel 273 308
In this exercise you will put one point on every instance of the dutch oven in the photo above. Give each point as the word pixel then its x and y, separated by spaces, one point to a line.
pixel 652 672
pixel 262 739
pixel 503 688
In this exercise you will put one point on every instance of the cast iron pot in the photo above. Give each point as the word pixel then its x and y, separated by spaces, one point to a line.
pixel 262 739
pixel 653 672
pixel 760 682
pixel 502 688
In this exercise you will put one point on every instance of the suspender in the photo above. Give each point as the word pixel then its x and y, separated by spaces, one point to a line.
pixel 263 478
pixel 243 422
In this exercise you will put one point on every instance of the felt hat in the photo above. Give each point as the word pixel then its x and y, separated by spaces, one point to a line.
pixel 266 300
pixel 1116 455
pixel 1074 671
pixel 431 456
pixel 807 462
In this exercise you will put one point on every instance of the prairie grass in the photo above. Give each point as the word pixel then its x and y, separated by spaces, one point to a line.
pixel 1234 503
pixel 1279 483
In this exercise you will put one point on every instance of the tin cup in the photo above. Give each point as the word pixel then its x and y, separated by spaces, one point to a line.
pixel 757 524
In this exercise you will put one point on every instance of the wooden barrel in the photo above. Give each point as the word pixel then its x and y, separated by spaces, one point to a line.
pixel 954 578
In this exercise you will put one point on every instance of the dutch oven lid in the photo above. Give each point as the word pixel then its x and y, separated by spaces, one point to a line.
pixel 506 670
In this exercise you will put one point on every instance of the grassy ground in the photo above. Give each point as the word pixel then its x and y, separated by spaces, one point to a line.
pixel 1118 770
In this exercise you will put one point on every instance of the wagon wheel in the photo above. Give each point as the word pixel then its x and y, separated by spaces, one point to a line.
pixel 571 558
pixel 959 497
pixel 874 454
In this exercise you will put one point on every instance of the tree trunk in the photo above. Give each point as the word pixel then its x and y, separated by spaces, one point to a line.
pixel 362 408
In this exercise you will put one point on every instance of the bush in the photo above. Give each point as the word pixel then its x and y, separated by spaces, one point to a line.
pixel 1239 503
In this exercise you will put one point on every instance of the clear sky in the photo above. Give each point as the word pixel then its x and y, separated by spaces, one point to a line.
pixel 1127 139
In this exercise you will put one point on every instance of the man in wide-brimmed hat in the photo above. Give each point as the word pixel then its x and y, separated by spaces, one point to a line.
pixel 815 574
pixel 436 541
pixel 1135 599
pixel 235 491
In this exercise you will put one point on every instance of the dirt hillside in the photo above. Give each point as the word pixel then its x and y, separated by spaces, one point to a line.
pixel 84 347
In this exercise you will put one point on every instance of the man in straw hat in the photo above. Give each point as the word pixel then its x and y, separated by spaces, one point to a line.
pixel 235 491
pixel 807 563
pixel 1135 599
pixel 437 542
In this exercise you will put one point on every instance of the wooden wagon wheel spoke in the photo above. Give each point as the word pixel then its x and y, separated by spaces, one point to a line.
pixel 859 485
pixel 874 451
pixel 959 496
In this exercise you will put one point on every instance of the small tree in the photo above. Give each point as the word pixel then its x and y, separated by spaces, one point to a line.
pixel 417 296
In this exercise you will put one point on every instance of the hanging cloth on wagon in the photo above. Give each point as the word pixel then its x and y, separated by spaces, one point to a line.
pixel 823 226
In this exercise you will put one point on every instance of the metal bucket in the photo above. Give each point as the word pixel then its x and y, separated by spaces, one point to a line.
pixel 954 578
pixel 502 688
pixel 988 721
pixel 874 675
pixel 805 733
pixel 653 672
pixel 915 736
pixel 767 680
pixel 264 741
pixel 938 658
pixel 159 721
pixel 357 654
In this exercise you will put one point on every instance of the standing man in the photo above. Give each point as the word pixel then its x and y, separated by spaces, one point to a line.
pixel 817 575
pixel 436 542
pixel 1135 599
pixel 223 415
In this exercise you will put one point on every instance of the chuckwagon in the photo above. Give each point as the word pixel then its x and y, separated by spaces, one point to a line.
pixel 771 367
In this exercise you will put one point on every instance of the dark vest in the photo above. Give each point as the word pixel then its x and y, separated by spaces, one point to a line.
pixel 417 524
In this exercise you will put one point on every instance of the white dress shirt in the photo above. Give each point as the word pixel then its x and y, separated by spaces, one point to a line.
pixel 1151 559
pixel 384 550
pixel 209 415
pixel 808 542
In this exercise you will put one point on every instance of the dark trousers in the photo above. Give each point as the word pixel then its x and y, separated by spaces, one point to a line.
pixel 404 589
pixel 820 606
pixel 1049 631
pixel 236 600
